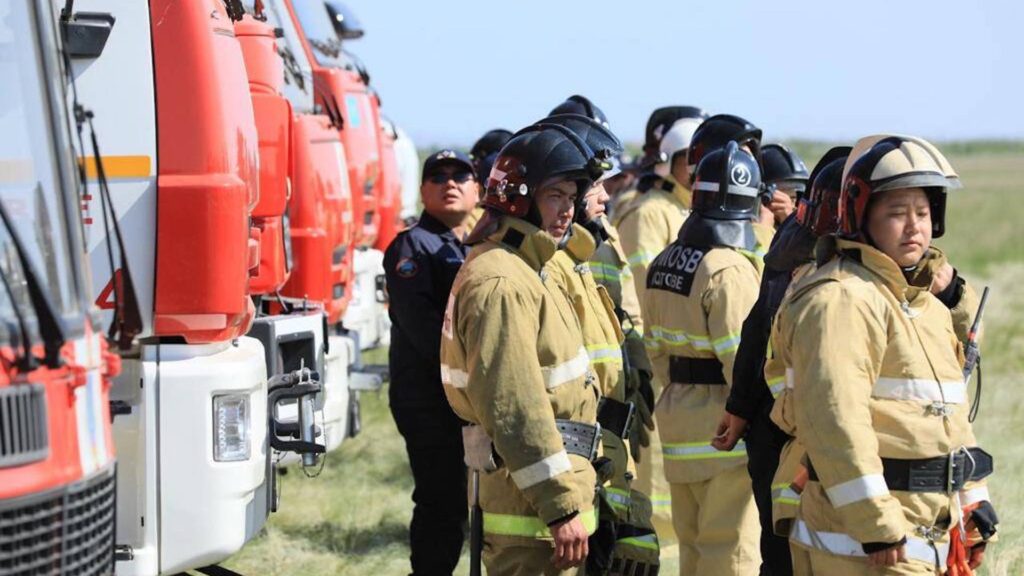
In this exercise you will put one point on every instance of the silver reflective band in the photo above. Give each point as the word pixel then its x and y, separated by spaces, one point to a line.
pixel 974 495
pixel 603 353
pixel 790 379
pixel 453 376
pixel 843 545
pixel 748 191
pixel 784 494
pixel 546 469
pixel 857 489
pixel 700 451
pixel 920 390
pixel 559 374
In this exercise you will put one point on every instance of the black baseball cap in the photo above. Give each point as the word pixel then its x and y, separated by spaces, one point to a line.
pixel 444 157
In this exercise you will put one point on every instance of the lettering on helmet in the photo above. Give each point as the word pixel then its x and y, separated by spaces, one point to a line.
pixel 673 270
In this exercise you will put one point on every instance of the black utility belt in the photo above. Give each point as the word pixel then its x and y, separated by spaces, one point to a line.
pixel 615 417
pixel 940 474
pixel 685 370
pixel 579 438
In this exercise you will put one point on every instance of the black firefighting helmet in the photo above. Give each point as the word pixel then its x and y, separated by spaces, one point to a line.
pixel 891 163
pixel 535 157
pixel 345 23
pixel 728 185
pixel 582 105
pixel 486 149
pixel 601 141
pixel 818 209
pixel 716 132
pixel 781 166
pixel 660 121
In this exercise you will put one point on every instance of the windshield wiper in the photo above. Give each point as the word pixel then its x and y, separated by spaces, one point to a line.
pixel 50 327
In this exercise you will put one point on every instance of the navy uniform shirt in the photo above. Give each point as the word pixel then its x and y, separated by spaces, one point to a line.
pixel 420 266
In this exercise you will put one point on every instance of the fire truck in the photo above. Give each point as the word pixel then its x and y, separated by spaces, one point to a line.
pixel 225 373
pixel 57 467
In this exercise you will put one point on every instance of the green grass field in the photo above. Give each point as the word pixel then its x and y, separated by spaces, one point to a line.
pixel 352 519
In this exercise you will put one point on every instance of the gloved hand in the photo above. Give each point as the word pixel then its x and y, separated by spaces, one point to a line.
pixel 643 423
pixel 636 547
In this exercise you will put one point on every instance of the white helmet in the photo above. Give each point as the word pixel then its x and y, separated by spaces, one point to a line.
pixel 675 140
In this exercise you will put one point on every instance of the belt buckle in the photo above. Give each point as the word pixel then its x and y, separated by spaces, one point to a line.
pixel 596 443
pixel 950 471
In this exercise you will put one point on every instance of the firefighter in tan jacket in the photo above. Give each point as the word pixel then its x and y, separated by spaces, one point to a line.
pixel 626 542
pixel 646 226
pixel 699 291
pixel 879 397
pixel 514 362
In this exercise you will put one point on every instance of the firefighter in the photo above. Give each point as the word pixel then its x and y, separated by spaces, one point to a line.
pixel 420 266
pixel 645 226
pixel 785 176
pixel 657 124
pixel 878 393
pixel 514 363
pixel 699 291
pixel 750 399
pixel 625 539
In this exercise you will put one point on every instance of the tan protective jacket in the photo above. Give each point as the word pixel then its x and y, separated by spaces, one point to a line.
pixel 694 308
pixel 611 270
pixel 513 360
pixel 621 203
pixel 785 496
pixel 650 223
pixel 882 367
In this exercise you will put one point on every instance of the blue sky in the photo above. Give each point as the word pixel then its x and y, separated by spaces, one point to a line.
pixel 447 71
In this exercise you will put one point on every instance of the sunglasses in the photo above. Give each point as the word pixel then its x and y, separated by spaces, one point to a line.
pixel 443 177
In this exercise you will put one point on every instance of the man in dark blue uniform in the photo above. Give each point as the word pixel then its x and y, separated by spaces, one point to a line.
pixel 420 265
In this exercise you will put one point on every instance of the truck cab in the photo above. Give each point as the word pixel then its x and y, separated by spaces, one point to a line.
pixel 57 479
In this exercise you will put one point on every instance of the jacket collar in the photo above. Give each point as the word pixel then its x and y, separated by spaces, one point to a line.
pixel 581 244
pixel 434 226
pixel 681 192
pixel 532 244
pixel 882 266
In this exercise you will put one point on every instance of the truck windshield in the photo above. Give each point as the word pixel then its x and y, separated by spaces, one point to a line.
pixel 31 186
pixel 316 25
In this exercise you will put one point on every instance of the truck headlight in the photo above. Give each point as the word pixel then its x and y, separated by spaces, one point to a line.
pixel 231 439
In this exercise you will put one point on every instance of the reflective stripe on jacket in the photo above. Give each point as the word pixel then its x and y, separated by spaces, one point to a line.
pixel 514 360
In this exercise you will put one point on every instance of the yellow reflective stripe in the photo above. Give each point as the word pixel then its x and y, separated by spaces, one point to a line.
pixel 605 354
pixel 618 498
pixel 783 493
pixel 640 258
pixel 661 501
pixel 661 334
pixel 530 526
pixel 648 542
pixel 700 451
pixel 726 344
pixel 776 385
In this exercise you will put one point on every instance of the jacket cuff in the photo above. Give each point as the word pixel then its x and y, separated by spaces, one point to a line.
pixel 552 507
pixel 950 296
pixel 872 547
pixel 565 518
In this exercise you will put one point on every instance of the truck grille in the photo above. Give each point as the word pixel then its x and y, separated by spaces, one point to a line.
pixel 23 437
pixel 69 532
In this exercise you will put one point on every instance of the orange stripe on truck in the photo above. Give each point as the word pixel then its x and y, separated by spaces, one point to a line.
pixel 120 166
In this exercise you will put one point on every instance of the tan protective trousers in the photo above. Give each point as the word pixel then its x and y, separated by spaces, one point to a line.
pixel 523 560
pixel 717 525
pixel 650 479
pixel 808 562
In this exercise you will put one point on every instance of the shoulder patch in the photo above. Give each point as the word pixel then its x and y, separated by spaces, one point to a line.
pixel 407 268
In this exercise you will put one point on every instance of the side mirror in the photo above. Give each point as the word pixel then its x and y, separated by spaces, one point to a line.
pixel 85 33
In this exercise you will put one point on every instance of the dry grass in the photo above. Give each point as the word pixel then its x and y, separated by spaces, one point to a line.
pixel 352 519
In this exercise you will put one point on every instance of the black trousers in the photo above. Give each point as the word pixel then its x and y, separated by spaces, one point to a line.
pixel 764 446
pixel 433 441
